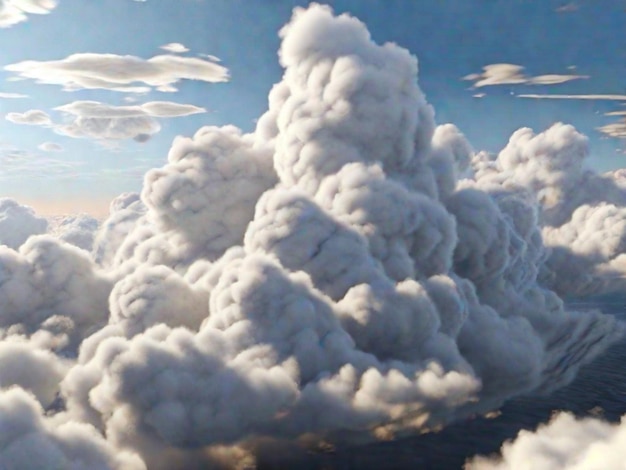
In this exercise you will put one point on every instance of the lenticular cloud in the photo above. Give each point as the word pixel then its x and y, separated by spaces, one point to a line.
pixel 326 276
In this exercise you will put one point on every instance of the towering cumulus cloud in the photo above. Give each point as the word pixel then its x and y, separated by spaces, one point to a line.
pixel 323 277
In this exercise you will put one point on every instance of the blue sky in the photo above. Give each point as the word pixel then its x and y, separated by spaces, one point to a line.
pixel 82 155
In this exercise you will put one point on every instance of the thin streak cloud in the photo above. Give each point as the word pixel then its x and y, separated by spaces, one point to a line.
pixel 573 97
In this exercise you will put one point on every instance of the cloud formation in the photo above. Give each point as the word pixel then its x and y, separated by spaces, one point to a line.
pixel 5 95
pixel 95 109
pixel 50 147
pixel 32 441
pixel 582 213
pixel 33 117
pixel 119 73
pixel 175 48
pixel 565 443
pixel 100 121
pixel 324 277
pixel 18 223
pixel 511 74
pixel 16 11
pixel 607 97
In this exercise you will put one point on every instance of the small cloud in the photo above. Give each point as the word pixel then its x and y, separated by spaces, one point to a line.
pixel 167 89
pixel 568 8
pixel 13 12
pixel 12 95
pixel 615 129
pixel 104 122
pixel 50 147
pixel 119 73
pixel 33 117
pixel 212 58
pixel 95 109
pixel 118 128
pixel 175 48
pixel 512 74
pixel 573 97
pixel 479 95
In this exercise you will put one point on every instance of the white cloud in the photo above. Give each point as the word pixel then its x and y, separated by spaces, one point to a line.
pixel 615 129
pixel 608 97
pixel 163 109
pixel 175 48
pixel 511 74
pixel 33 117
pixel 565 443
pixel 50 147
pixel 119 73
pixel 322 274
pixel 139 128
pixel 101 121
pixel 16 11
pixel 4 95
pixel 18 222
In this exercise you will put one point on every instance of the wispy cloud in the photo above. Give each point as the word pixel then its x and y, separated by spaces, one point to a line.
pixel 15 162
pixel 50 147
pixel 33 117
pixel 615 129
pixel 512 74
pixel 96 109
pixel 119 73
pixel 568 8
pixel 16 11
pixel 4 95
pixel 104 122
pixel 573 97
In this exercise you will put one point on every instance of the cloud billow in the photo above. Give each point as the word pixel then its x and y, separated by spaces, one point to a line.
pixel 324 277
